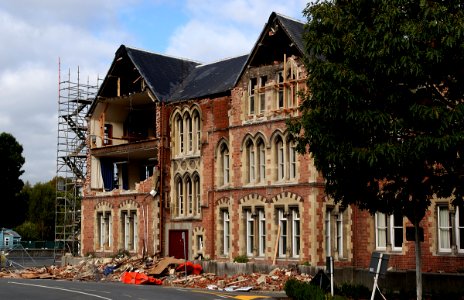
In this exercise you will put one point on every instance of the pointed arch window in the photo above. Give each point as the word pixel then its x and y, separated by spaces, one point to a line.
pixel 261 161
pixel 180 196
pixel 197 194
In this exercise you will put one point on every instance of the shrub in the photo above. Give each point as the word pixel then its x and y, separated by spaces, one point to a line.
pixel 298 290
pixel 241 259
pixel 354 291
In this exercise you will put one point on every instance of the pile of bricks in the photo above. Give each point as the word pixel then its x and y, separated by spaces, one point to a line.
pixel 96 269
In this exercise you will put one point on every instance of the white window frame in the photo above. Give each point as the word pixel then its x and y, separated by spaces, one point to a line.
pixel 189 190
pixel 197 192
pixel 262 232
pixel 381 229
pixel 190 134
pixel 328 236
pixel 250 232
pixel 130 224
pixel 339 222
pixel 180 126
pixel 226 232
pixel 225 164
pixel 105 229
pixel 459 230
pixel 252 164
pixel 251 97
pixel 444 229
pixel 296 233
pixel 196 121
pixel 180 196
pixel 393 229
pixel 280 160
pixel 262 161
pixel 283 238
pixel 292 159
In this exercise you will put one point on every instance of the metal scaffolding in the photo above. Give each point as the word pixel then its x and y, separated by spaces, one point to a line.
pixel 74 100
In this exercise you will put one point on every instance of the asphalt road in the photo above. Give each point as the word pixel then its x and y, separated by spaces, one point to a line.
pixel 22 289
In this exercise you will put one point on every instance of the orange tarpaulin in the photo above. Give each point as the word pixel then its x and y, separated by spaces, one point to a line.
pixel 191 268
pixel 139 278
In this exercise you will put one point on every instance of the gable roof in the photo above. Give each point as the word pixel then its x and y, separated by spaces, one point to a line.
pixel 210 79
pixel 293 31
pixel 293 28
pixel 162 73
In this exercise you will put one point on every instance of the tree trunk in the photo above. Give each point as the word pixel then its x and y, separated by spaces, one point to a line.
pixel 418 259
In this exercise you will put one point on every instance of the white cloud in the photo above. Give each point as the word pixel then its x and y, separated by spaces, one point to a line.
pixel 220 29
pixel 37 33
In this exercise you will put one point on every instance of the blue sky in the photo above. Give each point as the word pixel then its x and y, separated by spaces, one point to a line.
pixel 86 34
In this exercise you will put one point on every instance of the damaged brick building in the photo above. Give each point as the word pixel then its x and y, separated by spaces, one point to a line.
pixel 194 160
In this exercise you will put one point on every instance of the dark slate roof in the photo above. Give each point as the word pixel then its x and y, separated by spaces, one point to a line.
pixel 210 79
pixel 293 28
pixel 162 73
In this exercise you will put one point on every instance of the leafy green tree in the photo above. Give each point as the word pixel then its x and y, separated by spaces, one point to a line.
pixel 384 118
pixel 41 208
pixel 11 162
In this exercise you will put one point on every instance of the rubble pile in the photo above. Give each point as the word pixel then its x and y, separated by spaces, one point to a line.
pixel 165 271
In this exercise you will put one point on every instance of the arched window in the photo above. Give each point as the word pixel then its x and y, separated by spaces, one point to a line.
pixel 224 164
pixel 261 161
pixel 189 134
pixel 180 135
pixel 280 159
pixel 250 158
pixel 197 193
pixel 291 158
pixel 180 196
pixel 189 190
pixel 197 129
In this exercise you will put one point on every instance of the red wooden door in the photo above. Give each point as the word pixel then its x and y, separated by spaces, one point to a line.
pixel 176 243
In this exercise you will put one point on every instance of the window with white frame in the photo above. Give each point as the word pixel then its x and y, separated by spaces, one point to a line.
pixel 389 231
pixel 250 232
pixel 226 232
pixel 104 224
pixel 199 243
pixel 295 232
pixel 334 232
pixel 190 134
pixel 129 229
pixel 189 191
pixel 460 229
pixel 197 193
pixel 328 238
pixel 289 239
pixel 196 121
pixel 444 228
pixel 180 136
pixel 251 95
pixel 187 195
pixel 283 222
pixel 280 160
pixel 250 159
pixel 180 196
pixel 292 159
pixel 224 164
pixel 261 232
pixel 339 221
pixel 261 161
pixel 186 133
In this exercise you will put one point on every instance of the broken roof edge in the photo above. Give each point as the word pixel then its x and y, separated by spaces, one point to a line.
pixel 288 18
pixel 222 60
pixel 272 17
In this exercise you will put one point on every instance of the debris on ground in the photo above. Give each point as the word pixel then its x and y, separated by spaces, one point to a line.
pixel 165 271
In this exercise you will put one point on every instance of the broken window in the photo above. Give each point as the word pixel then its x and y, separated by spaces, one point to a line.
pixel 104 230
pixel 108 135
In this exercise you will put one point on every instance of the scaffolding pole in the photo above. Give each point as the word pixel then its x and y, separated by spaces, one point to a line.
pixel 74 100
